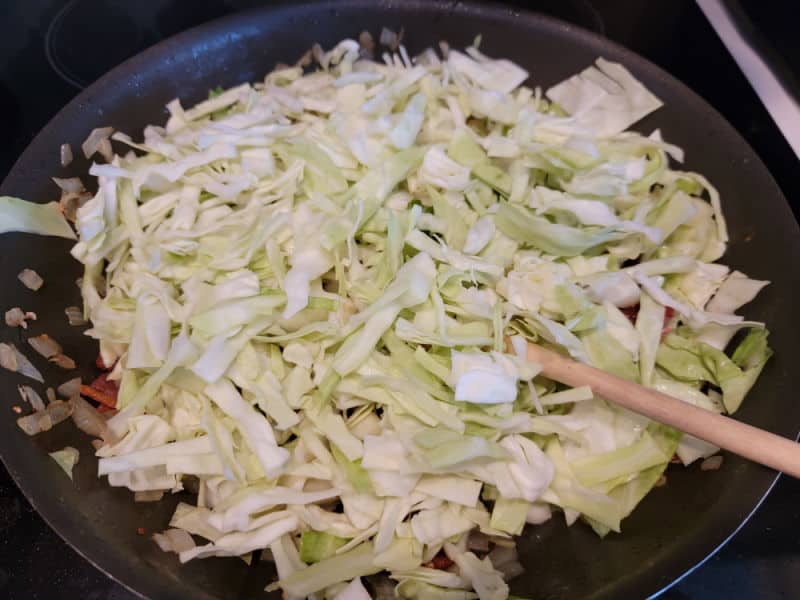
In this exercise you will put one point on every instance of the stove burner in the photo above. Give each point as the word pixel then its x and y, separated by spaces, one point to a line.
pixel 80 57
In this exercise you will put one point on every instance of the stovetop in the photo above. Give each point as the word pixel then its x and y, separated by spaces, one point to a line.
pixel 48 53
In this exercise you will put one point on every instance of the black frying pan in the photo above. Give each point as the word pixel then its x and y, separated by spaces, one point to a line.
pixel 674 529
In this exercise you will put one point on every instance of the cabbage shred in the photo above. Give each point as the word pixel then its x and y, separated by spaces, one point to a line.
pixel 319 288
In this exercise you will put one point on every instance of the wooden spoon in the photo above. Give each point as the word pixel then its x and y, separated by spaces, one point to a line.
pixel 745 440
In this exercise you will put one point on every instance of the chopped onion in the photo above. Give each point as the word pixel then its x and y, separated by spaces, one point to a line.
pixel 92 143
pixel 390 39
pixel 31 396
pixel 105 150
pixel 305 60
pixel 16 317
pixel 70 388
pixel 66 155
pixel 30 279
pixel 88 420
pixel 45 345
pixel 148 496
pixel 59 411
pixel 317 52
pixel 75 316
pixel 712 463
pixel 13 360
pixel 63 361
pixel 44 420
pixel 72 185
pixel 70 202
pixel 367 43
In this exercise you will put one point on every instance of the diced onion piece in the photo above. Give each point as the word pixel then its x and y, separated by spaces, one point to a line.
pixel 70 202
pixel 305 60
pixel 63 361
pixel 72 184
pixel 87 419
pixel 45 345
pixel 92 143
pixel 32 397
pixel 13 360
pixel 712 463
pixel 70 388
pixel 367 43
pixel 38 422
pixel 16 317
pixel 59 411
pixel 317 52
pixel 73 194
pixel 148 496
pixel 66 155
pixel 105 150
pixel 390 39
pixel 30 279
pixel 35 424
pixel 75 316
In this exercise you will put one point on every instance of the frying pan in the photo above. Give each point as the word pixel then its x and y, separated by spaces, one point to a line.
pixel 674 529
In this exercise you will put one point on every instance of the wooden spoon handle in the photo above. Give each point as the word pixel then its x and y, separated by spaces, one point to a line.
pixel 745 440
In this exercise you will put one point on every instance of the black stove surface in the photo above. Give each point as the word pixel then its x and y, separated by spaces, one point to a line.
pixel 50 49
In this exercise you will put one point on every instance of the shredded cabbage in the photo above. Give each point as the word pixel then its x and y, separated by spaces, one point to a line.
pixel 66 458
pixel 309 282
pixel 29 217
